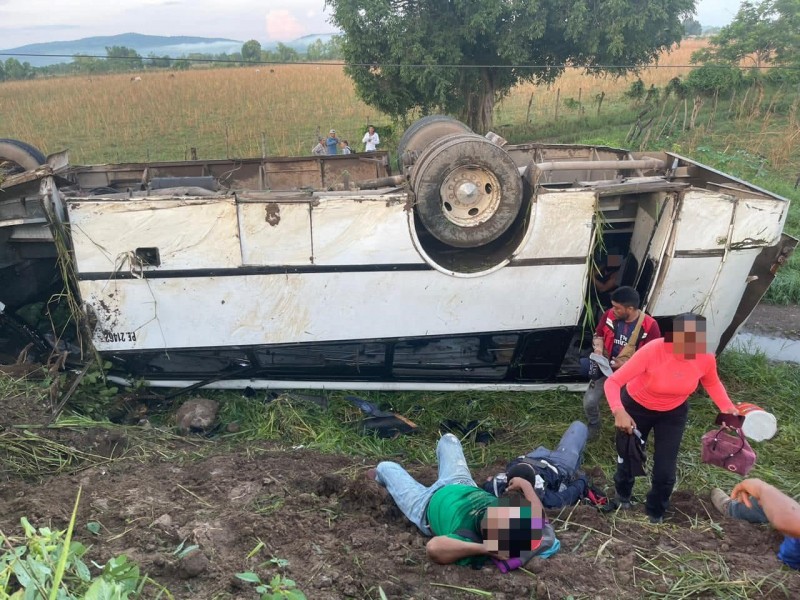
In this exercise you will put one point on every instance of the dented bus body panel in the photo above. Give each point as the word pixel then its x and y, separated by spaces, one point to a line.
pixel 235 274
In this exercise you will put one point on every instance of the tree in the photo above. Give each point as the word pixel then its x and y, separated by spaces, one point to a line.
pixel 122 58
pixel 17 70
pixel 766 32
pixel 462 56
pixel 2 71
pixel 691 26
pixel 158 62
pixel 316 50
pixel 88 64
pixel 333 47
pixel 286 53
pixel 251 51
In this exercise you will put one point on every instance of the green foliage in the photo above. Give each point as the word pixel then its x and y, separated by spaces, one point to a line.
pixel 712 79
pixel 13 69
pixel 766 32
pixel 636 90
pixel 29 566
pixel 286 54
pixel 677 88
pixel 94 394
pixel 572 104
pixel 329 50
pixel 461 57
pixel 278 588
pixel 691 26
pixel 251 51
pixel 158 62
pixel 122 58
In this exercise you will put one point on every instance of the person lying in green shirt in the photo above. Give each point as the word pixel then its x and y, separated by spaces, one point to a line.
pixel 467 524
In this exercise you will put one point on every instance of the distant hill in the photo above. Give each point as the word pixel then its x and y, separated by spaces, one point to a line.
pixel 172 46
pixel 301 44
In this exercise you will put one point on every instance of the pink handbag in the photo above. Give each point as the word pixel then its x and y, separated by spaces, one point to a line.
pixel 727 448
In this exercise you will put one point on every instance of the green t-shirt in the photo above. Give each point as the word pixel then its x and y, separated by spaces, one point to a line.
pixel 455 507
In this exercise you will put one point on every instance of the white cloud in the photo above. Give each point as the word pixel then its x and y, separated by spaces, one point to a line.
pixel 283 26
pixel 31 21
pixel 716 12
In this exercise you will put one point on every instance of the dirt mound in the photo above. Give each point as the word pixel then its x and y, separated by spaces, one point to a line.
pixel 344 538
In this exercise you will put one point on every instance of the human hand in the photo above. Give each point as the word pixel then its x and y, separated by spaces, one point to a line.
pixel 623 421
pixel 519 483
pixel 745 490
pixel 491 548
pixel 731 411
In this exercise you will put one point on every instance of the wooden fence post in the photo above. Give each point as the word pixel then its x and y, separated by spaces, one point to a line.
pixel 558 96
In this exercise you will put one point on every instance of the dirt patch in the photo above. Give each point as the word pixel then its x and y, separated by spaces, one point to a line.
pixel 775 321
pixel 343 537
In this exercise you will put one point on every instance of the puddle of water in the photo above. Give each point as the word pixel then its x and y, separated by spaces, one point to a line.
pixel 774 348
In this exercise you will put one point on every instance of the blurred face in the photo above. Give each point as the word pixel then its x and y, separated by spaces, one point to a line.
pixel 689 338
pixel 512 527
pixel 371 130
pixel 623 312
pixel 497 522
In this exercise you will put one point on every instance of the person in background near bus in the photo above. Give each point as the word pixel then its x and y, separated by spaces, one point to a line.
pixel 371 140
pixel 346 147
pixel 650 392
pixel 608 278
pixel 332 142
pixel 756 501
pixel 319 149
pixel 612 335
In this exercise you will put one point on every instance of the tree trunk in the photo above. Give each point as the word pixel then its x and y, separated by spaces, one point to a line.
pixel 478 112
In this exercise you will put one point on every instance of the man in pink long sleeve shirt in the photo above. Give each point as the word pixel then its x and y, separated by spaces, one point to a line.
pixel 649 393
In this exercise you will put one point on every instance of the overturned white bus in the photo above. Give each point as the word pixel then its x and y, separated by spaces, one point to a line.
pixel 471 267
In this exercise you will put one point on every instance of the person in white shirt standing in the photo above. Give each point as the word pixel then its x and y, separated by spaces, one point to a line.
pixel 371 140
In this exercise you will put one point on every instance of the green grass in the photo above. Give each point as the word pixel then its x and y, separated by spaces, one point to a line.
pixel 519 422
pixel 522 421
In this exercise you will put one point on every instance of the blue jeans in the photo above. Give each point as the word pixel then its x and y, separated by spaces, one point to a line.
pixel 739 510
pixel 789 552
pixel 569 452
pixel 411 496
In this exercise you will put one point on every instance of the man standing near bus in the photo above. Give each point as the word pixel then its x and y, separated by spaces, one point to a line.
pixel 622 329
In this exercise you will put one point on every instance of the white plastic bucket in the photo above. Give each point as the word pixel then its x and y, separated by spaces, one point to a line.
pixel 759 425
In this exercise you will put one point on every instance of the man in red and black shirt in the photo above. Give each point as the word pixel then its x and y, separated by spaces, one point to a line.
pixel 612 334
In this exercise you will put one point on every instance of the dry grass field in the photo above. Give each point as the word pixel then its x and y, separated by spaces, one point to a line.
pixel 228 112
pixel 583 88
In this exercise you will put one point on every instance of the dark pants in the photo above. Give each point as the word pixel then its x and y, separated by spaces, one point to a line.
pixel 667 427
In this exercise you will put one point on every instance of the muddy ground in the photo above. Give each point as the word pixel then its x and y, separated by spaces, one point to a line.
pixel 154 492
pixel 775 321
pixel 340 533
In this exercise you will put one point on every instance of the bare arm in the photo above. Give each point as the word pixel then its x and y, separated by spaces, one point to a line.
pixel 524 486
pixel 445 550
pixel 716 390
pixel 783 512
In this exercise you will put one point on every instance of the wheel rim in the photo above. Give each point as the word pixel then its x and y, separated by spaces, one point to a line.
pixel 470 195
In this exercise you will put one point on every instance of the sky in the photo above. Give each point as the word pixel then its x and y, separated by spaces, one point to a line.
pixel 31 21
